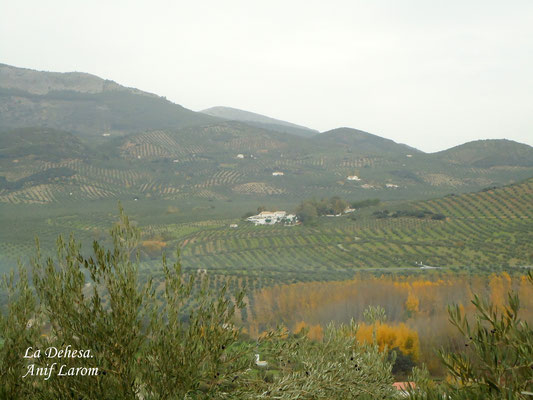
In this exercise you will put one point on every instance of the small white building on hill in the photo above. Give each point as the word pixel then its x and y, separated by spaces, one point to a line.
pixel 271 218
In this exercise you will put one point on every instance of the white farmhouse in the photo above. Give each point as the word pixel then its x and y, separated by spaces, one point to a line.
pixel 353 178
pixel 271 218
pixel 278 173
pixel 240 156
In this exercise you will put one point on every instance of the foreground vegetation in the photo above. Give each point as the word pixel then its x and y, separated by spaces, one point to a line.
pixel 182 340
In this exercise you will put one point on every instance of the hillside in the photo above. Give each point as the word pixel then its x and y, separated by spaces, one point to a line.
pixel 489 153
pixel 482 230
pixel 362 142
pixel 39 144
pixel 226 139
pixel 261 121
pixel 84 104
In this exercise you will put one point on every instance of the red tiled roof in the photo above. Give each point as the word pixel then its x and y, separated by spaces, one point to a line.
pixel 404 385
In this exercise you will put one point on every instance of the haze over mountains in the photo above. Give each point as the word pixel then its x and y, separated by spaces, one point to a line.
pixel 75 136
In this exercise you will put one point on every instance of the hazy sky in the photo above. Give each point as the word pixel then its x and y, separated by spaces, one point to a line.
pixel 431 74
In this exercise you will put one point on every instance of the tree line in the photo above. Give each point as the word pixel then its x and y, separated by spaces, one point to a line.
pixel 308 210
pixel 415 307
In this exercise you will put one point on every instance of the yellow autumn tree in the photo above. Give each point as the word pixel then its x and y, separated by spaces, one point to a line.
pixel 411 304
pixel 299 327
pixel 316 333
pixel 391 336
pixel 499 287
pixel 525 292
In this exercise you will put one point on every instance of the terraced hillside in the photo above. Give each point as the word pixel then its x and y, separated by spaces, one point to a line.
pixel 231 161
pixel 481 231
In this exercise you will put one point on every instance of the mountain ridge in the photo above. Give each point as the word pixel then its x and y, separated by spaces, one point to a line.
pixel 489 152
pixel 44 82
pixel 357 138
pixel 259 120
pixel 85 104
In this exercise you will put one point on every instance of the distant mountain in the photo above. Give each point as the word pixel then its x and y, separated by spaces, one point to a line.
pixel 362 142
pixel 85 104
pixel 261 121
pixel 489 153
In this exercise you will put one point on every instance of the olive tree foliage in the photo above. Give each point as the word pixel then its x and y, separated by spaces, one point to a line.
pixel 197 358
pixel 96 303
pixel 19 329
pixel 142 347
pixel 373 314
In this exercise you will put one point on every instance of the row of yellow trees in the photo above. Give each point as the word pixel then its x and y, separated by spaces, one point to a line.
pixel 415 307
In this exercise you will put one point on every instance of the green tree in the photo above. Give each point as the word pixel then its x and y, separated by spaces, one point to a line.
pixel 306 212
pixel 338 205
pixel 97 304
pixel 373 314
pixel 199 357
